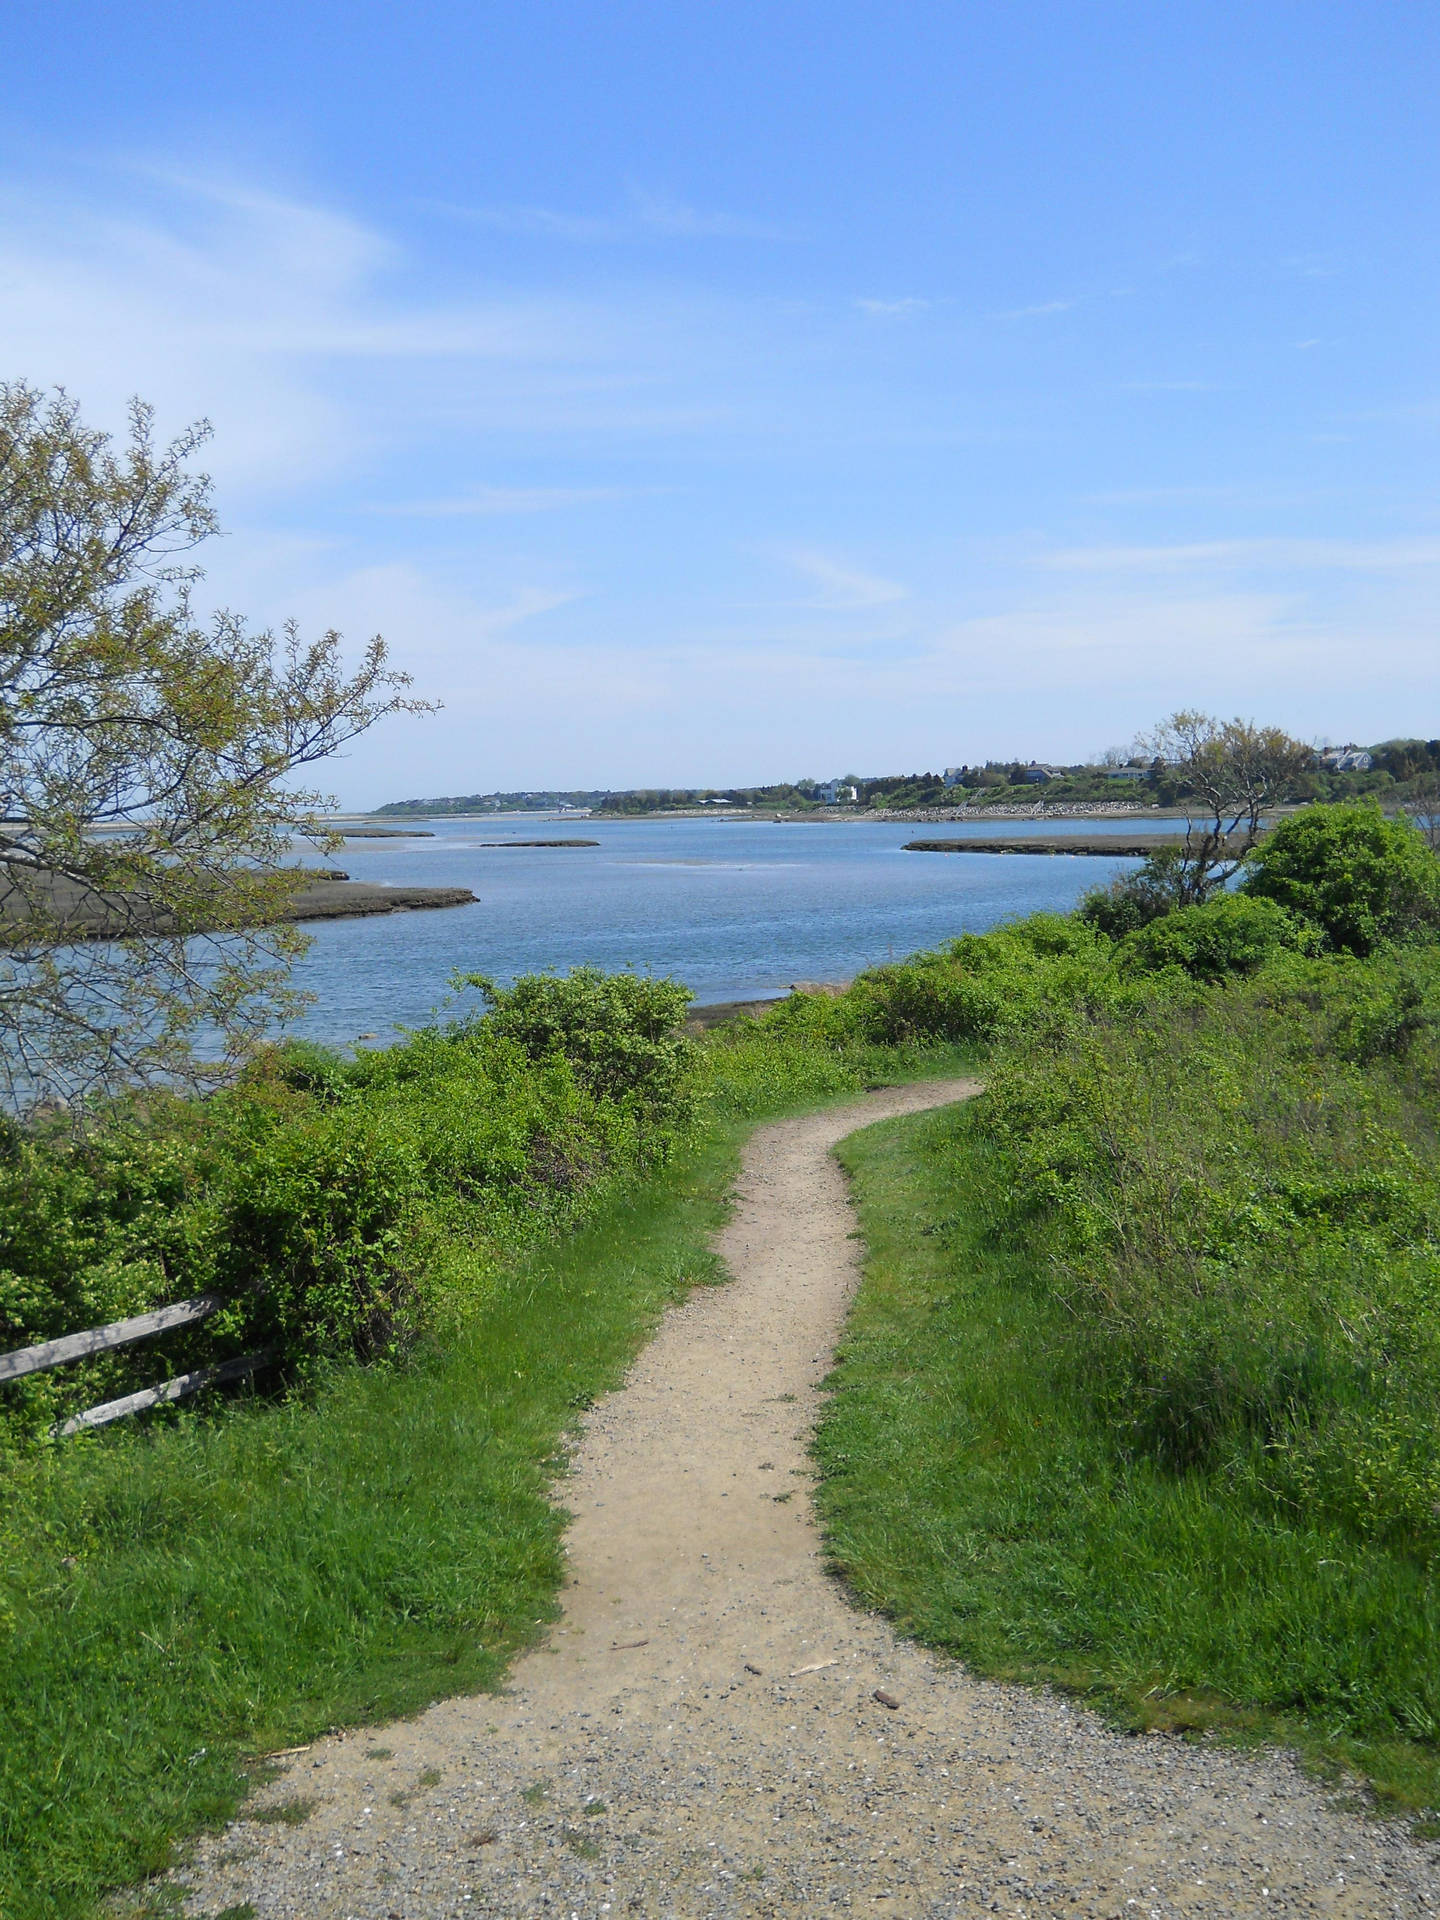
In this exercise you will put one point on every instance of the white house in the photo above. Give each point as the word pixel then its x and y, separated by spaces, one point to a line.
pixel 835 793
pixel 1351 759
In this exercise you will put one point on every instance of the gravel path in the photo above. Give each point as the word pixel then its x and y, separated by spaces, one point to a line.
pixel 702 1734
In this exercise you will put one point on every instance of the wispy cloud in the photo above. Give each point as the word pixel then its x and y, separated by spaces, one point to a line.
pixel 486 502
pixel 890 309
pixel 642 215
pixel 1040 307
pixel 1374 556
pixel 1169 386
pixel 844 588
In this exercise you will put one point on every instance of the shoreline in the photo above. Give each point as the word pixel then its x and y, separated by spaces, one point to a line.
pixel 89 913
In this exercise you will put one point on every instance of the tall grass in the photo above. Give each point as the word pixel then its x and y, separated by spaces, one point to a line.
pixel 1138 1394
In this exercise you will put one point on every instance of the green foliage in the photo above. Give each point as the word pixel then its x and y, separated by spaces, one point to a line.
pixel 147 759
pixel 620 1031
pixel 1363 879
pixel 973 1488
pixel 178 1599
pixel 1136 898
pixel 1240 1212
pixel 1229 935
pixel 316 1193
pixel 982 985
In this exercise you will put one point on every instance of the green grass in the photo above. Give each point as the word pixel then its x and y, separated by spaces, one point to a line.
pixel 176 1603
pixel 970 1492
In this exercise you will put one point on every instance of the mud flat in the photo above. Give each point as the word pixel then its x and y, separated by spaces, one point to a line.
pixel 90 914
pixel 1116 846
pixel 385 833
pixel 352 899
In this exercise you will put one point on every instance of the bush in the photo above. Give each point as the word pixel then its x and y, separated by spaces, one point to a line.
pixel 980 985
pixel 1137 898
pixel 1228 936
pixel 1240 1211
pixel 620 1031
pixel 1363 879
pixel 314 1195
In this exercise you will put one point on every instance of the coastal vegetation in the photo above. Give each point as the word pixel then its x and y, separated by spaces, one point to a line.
pixel 1136 1398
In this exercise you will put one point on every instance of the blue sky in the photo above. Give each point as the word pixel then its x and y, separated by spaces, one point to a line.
pixel 716 393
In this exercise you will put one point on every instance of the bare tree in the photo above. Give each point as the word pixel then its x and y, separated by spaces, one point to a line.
pixel 148 767
pixel 1422 803
pixel 1229 772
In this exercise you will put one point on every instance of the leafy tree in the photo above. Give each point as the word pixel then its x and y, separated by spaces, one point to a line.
pixel 1229 772
pixel 1363 879
pixel 148 765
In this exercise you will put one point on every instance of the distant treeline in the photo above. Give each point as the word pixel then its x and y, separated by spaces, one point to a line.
pixel 1395 765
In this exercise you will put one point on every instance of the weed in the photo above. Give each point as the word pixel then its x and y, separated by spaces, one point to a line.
pixel 285 1813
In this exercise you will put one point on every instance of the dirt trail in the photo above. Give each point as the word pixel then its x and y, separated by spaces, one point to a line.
pixel 700 1734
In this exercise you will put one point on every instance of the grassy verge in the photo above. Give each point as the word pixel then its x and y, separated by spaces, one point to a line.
pixel 180 1601
pixel 971 1492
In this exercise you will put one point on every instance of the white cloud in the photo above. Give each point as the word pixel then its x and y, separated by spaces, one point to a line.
pixel 643 215
pixel 1376 556
pixel 893 309
pixel 1041 307
pixel 486 502
pixel 299 332
pixel 844 587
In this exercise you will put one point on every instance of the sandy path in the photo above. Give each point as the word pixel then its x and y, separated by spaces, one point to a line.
pixel 667 1753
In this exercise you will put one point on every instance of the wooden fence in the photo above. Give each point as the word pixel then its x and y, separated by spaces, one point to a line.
pixel 120 1333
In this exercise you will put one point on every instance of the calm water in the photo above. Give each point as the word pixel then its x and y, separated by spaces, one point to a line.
pixel 737 910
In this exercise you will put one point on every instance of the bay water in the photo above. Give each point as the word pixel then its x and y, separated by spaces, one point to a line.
pixel 738 910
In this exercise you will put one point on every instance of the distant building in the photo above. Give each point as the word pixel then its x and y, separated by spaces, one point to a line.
pixel 1351 759
pixel 836 793
pixel 953 776
pixel 1035 775
pixel 1125 773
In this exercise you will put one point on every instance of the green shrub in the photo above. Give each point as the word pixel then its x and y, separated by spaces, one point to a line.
pixel 1136 898
pixel 1363 879
pixel 1227 936
pixel 620 1031
pixel 314 1195
pixel 1239 1209
pixel 980 985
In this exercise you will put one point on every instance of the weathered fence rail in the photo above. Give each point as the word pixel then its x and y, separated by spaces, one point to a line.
pixel 175 1389
pixel 81 1346
pixel 120 1333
